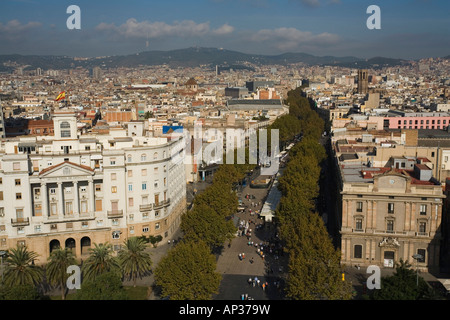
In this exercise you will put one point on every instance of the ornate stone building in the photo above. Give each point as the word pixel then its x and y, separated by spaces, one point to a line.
pixel 389 214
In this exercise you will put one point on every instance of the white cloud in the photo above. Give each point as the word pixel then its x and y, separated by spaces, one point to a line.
pixel 146 29
pixel 223 30
pixel 292 38
pixel 15 31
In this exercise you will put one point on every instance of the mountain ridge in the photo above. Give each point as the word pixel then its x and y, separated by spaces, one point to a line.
pixel 192 57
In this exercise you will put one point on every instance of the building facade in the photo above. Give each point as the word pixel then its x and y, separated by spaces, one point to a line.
pixel 74 190
pixel 390 214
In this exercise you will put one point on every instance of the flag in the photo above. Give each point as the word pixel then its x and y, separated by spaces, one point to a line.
pixel 61 96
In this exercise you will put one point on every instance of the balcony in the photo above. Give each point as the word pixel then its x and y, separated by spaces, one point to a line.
pixel 115 214
pixel 161 204
pixel 146 207
pixel 422 234
pixel 20 222
pixel 73 217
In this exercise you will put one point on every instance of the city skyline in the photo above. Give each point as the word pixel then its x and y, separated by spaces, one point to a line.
pixel 409 29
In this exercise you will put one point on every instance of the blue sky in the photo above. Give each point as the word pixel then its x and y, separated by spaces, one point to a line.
pixel 410 29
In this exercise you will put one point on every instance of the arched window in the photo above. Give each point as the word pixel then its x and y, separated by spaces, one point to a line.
pixel 143 157
pixel 129 158
pixel 65 129
pixel 155 156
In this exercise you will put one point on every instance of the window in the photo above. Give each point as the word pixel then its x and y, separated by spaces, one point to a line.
pixel 17 182
pixel 131 229
pixel 156 213
pixel 155 156
pixel 145 229
pixel 113 189
pixel 359 206
pixel 357 251
pixel 129 158
pixel 84 224
pixel 98 187
pixel 130 202
pixel 18 196
pixel 37 210
pixel 156 183
pixel 390 226
pixel 143 172
pixel 145 215
pixel 69 207
pixel 422 228
pixel 52 190
pixel 98 204
pixel 130 187
pixel 157 226
pixel 65 129
pixel 130 173
pixel 358 224
pixel 1 195
pixel 390 208
pixel 143 157
pixel 113 176
pixel 423 209
pixel 37 228
pixel 112 161
pixel 115 222
pixel 144 185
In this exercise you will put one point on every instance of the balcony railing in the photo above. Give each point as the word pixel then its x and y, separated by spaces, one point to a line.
pixel 69 217
pixel 146 207
pixel 161 204
pixel 19 222
pixel 115 213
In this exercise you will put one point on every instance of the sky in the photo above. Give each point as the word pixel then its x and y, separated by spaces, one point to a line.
pixel 410 29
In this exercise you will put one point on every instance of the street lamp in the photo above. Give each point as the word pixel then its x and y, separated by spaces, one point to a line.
pixel 417 257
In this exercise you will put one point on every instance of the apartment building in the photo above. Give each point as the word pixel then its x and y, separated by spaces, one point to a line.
pixel 388 214
pixel 72 190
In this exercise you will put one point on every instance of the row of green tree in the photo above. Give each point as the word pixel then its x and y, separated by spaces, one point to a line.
pixel 188 271
pixel 22 279
pixel 314 271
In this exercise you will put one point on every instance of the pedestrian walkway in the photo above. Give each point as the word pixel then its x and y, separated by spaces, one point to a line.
pixel 253 253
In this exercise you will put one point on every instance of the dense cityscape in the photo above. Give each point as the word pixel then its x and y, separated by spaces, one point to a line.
pixel 215 175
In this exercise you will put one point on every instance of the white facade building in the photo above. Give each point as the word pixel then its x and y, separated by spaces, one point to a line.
pixel 74 191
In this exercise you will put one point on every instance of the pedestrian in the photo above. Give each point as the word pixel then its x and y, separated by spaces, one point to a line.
pixel 264 287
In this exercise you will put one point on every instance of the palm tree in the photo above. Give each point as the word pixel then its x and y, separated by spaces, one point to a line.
pixel 133 259
pixel 58 262
pixel 20 268
pixel 101 260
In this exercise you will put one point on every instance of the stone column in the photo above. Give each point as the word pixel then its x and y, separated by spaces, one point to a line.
pixel 76 199
pixel 91 196
pixel 60 199
pixel 45 212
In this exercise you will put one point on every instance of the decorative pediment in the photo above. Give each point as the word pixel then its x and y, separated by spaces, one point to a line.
pixel 65 169
pixel 389 242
